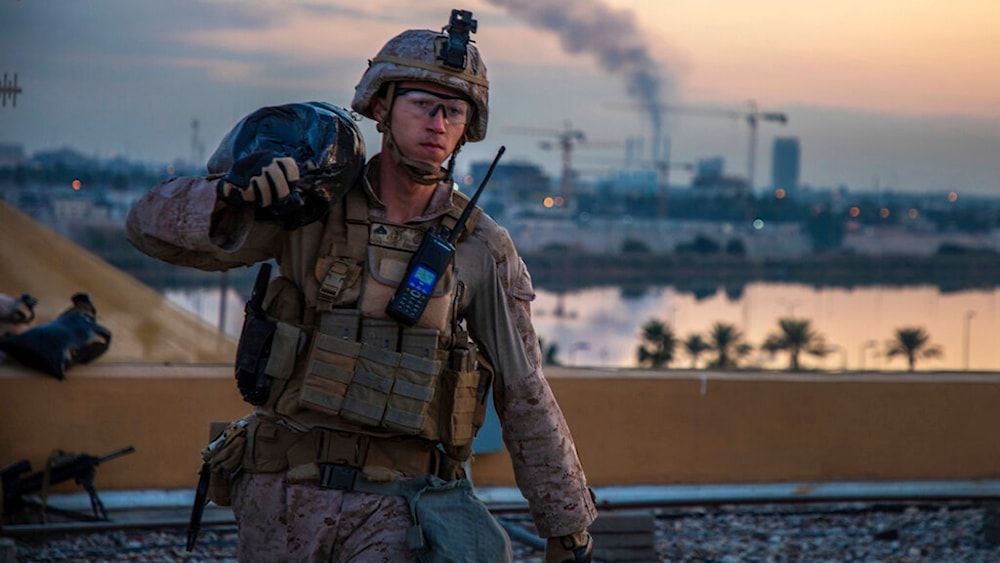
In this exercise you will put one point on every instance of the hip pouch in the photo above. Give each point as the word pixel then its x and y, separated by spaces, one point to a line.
pixel 464 389
pixel 451 524
pixel 224 455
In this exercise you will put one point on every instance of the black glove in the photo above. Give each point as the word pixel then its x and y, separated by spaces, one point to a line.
pixel 574 548
pixel 263 178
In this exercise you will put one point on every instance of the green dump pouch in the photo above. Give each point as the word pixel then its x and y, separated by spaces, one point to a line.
pixel 451 524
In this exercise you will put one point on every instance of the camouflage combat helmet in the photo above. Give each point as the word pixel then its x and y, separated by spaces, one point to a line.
pixel 423 55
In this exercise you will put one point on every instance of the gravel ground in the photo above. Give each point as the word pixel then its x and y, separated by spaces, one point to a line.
pixel 945 532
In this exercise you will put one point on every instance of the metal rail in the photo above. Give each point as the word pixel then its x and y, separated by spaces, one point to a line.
pixel 172 508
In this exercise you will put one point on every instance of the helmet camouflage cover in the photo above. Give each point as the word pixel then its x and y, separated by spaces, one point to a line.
pixel 413 55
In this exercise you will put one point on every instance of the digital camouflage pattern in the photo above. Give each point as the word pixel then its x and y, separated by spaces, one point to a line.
pixel 173 222
pixel 411 55
pixel 281 521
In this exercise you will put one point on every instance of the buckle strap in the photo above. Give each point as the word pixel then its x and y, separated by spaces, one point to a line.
pixel 351 479
pixel 408 456
pixel 338 476
pixel 334 458
pixel 342 448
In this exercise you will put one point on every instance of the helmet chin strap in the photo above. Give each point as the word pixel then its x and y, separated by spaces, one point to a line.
pixel 418 171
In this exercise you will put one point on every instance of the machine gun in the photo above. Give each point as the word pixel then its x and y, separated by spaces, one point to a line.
pixel 62 466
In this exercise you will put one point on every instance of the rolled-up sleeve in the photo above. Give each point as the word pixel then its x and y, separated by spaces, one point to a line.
pixel 544 457
pixel 179 221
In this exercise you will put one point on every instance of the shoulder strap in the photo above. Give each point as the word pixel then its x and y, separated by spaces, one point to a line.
pixel 343 246
pixel 346 232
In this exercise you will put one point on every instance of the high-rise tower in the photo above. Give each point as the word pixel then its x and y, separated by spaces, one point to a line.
pixel 785 157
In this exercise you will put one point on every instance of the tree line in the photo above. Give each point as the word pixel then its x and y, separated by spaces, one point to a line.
pixel 724 346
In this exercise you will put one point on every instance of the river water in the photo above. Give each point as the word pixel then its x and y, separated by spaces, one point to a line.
pixel 601 327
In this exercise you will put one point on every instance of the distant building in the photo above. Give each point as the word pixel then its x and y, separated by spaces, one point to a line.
pixel 785 158
pixel 644 182
pixel 709 168
pixel 710 180
pixel 514 187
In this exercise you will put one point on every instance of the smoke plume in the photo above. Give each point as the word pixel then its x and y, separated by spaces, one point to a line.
pixel 612 36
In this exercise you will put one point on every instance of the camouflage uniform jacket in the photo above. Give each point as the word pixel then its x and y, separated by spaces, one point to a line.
pixel 180 222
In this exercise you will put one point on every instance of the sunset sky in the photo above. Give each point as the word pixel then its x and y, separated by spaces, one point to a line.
pixel 899 95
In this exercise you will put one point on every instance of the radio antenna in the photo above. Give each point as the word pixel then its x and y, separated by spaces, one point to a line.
pixel 475 197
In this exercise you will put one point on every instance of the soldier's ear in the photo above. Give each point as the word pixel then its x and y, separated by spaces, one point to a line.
pixel 381 112
pixel 379 109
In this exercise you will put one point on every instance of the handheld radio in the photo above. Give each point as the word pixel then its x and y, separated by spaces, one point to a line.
pixel 430 261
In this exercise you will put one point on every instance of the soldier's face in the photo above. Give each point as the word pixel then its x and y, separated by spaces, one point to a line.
pixel 427 120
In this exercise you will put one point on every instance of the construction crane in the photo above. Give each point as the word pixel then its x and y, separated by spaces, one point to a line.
pixel 752 115
pixel 9 89
pixel 566 140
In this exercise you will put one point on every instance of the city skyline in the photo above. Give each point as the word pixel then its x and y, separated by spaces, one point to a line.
pixel 887 96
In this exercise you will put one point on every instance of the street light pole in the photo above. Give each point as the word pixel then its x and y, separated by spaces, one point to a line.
pixel 573 349
pixel 966 337
pixel 864 348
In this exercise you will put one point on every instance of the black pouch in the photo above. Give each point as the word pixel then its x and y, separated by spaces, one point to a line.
pixel 252 355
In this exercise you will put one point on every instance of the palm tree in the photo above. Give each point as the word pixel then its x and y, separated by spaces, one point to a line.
pixel 914 343
pixel 658 344
pixel 795 336
pixel 729 345
pixel 695 346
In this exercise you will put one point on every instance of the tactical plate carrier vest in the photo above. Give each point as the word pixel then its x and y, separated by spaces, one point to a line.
pixel 347 367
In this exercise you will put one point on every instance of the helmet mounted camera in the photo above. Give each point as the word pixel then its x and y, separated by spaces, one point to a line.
pixel 453 51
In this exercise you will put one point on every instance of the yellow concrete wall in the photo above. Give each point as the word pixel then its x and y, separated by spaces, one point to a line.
pixel 631 427
pixel 162 410
pixel 639 428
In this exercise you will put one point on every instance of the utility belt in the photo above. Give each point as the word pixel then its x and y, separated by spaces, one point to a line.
pixel 342 459
pixel 433 484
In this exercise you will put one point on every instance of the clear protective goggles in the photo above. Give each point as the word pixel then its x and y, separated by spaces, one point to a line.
pixel 417 102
